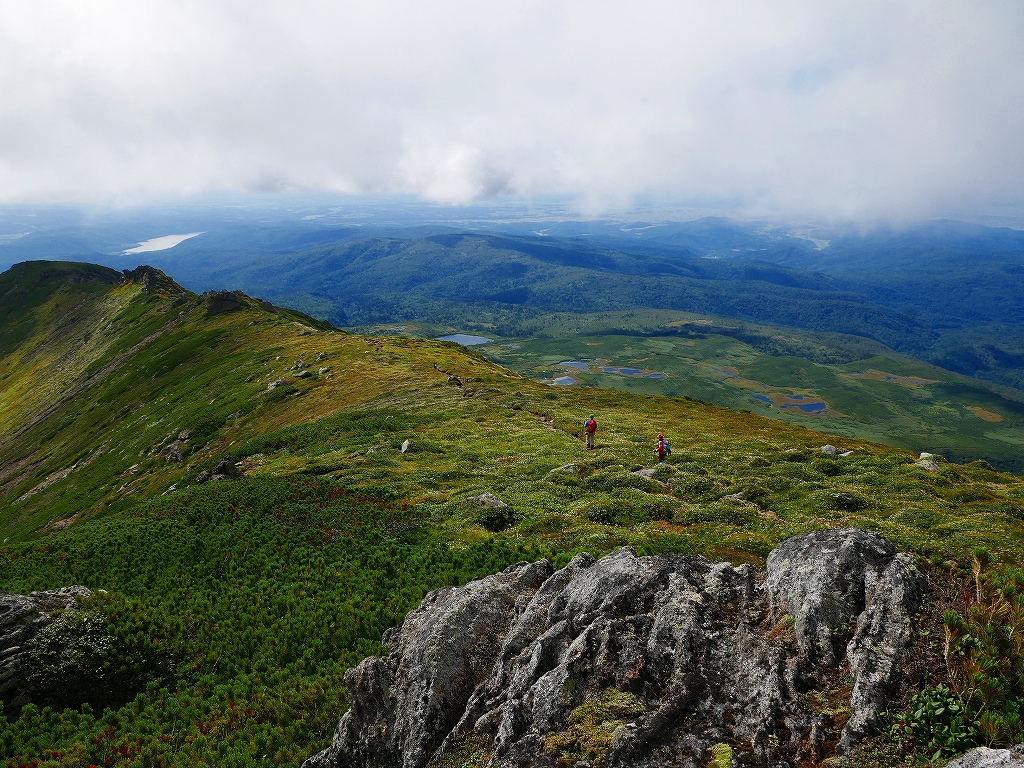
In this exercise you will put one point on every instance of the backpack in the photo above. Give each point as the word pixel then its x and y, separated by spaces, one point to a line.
pixel 591 426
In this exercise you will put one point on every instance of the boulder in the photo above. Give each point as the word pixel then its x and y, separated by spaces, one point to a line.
pixel 299 365
pixel 303 375
pixel 22 618
pixel 927 465
pixel 275 384
pixel 226 469
pixel 984 757
pixel 829 450
pixel 408 446
pixel 490 500
pixel 635 661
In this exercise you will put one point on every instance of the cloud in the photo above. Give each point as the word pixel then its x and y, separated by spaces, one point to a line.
pixel 787 107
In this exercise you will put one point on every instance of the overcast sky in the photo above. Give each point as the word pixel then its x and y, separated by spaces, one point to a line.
pixel 823 108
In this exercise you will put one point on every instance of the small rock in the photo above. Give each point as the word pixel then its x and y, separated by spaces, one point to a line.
pixel 645 472
pixel 844 454
pixel 299 365
pixel 303 375
pixel 927 455
pixel 984 757
pixel 305 332
pixel 490 500
pixel 321 356
pixel 408 447
pixel 928 466
pixel 324 370
pixel 829 450
pixel 172 452
pixel 275 384
pixel 734 496
pixel 564 468
pixel 204 477
pixel 170 490
pixel 185 434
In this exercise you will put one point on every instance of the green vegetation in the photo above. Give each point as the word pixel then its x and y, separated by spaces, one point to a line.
pixel 867 391
pixel 591 726
pixel 231 609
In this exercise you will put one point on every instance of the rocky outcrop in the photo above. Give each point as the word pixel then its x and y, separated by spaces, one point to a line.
pixel 226 469
pixel 221 301
pixel 984 757
pixel 635 661
pixel 22 618
pixel 152 280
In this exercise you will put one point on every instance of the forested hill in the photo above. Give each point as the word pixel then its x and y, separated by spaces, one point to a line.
pixel 957 306
pixel 253 497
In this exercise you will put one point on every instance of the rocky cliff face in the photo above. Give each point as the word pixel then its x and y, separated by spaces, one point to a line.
pixel 640 661
pixel 23 618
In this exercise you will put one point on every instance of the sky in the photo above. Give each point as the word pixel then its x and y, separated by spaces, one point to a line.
pixel 790 107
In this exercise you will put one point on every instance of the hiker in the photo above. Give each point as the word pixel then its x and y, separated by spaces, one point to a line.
pixel 662 449
pixel 590 428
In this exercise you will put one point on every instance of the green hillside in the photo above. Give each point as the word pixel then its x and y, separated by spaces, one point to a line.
pixel 846 385
pixel 230 609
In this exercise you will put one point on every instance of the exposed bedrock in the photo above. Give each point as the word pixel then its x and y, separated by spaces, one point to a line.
pixel 640 661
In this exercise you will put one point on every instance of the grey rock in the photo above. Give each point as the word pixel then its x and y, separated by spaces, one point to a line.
pixel 408 446
pixel 927 465
pixel 984 757
pixel 226 469
pixel 22 618
pixel 646 472
pixel 266 306
pixel 172 453
pixel 325 369
pixel 221 301
pixel 303 375
pixel 490 500
pixel 734 496
pixel 455 380
pixel 844 454
pixel 571 468
pixel 693 648
pixel 829 450
pixel 275 384
pixel 299 365
pixel 927 455
pixel 828 579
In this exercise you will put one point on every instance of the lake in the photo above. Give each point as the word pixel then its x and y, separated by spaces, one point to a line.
pixel 161 243
pixel 466 339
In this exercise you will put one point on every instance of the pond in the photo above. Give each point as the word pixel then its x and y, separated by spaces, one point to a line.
pixel 574 364
pixel 631 372
pixel 466 339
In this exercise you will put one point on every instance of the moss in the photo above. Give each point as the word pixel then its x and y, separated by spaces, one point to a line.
pixel 591 726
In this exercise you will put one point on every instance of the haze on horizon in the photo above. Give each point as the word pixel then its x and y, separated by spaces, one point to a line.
pixel 799 108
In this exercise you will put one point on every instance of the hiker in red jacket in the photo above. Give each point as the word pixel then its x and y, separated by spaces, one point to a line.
pixel 590 428
pixel 662 449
